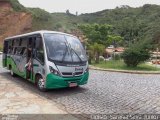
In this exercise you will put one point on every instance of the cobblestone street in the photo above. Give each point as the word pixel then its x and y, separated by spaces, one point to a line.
pixel 106 92
pixel 109 92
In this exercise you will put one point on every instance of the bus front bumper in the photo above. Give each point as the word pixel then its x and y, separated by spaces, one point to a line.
pixel 53 81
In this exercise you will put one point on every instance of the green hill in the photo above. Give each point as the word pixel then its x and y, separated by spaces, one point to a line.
pixel 134 24
pixel 16 5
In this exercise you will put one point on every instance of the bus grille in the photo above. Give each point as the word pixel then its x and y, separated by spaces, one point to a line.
pixel 69 74
pixel 78 73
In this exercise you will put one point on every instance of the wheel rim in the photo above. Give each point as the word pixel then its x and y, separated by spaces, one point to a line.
pixel 41 83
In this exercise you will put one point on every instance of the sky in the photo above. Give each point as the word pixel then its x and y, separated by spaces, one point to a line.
pixel 83 6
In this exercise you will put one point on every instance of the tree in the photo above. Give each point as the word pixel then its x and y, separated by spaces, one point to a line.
pixel 17 6
pixel 130 29
pixel 99 36
pixel 76 13
pixel 58 26
pixel 156 39
pixel 114 39
pixel 96 32
pixel 67 12
pixel 136 54
pixel 97 50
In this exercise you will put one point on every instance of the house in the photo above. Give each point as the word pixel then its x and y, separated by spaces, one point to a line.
pixel 155 57
pixel 109 51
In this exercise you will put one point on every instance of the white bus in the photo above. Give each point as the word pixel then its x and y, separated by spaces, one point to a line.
pixel 49 59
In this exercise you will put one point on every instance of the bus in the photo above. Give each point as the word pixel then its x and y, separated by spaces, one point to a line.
pixel 49 59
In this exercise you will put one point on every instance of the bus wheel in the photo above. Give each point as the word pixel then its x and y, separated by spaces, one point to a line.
pixel 41 84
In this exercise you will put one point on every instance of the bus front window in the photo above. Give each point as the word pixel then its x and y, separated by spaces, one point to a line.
pixel 64 48
pixel 77 49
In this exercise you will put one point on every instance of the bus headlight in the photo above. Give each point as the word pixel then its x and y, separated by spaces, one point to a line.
pixel 87 70
pixel 55 72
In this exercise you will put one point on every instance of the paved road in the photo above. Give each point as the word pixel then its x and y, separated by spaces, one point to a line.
pixel 106 92
pixel 109 92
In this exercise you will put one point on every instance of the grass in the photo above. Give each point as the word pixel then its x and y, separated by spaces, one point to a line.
pixel 120 65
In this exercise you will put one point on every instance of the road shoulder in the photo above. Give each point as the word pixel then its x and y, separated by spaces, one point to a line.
pixel 15 99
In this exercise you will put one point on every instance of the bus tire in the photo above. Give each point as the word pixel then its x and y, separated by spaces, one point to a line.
pixel 40 83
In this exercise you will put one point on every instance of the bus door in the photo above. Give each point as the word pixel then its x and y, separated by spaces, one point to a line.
pixel 29 65
pixel 5 51
pixel 35 55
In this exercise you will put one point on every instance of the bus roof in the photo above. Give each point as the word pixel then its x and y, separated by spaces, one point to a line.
pixel 37 32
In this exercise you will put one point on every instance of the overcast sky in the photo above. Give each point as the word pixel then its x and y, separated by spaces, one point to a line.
pixel 83 6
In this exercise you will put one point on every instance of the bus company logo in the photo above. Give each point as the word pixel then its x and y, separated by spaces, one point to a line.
pixel 78 69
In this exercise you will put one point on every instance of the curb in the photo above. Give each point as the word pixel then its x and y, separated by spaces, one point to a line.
pixel 124 71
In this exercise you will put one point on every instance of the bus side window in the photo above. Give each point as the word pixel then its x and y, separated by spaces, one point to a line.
pixel 16 42
pixel 5 49
pixel 9 49
pixel 25 52
pixel 24 42
pixel 20 42
pixel 14 51
pixel 22 51
pixel 13 42
pixel 39 49
pixel 19 49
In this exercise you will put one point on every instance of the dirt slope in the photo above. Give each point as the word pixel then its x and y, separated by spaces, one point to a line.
pixel 13 23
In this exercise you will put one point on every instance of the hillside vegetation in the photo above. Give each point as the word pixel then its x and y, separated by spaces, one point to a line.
pixel 133 24
pixel 17 6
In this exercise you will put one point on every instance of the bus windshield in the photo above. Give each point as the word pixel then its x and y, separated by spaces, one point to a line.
pixel 64 48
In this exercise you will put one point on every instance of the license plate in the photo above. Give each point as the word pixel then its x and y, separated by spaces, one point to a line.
pixel 72 84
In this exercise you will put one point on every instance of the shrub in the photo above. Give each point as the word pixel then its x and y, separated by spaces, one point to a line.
pixel 101 58
pixel 116 57
pixel 40 14
pixel 136 54
pixel 17 6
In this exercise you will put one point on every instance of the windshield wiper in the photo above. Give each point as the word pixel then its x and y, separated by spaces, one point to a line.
pixel 65 53
pixel 76 54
